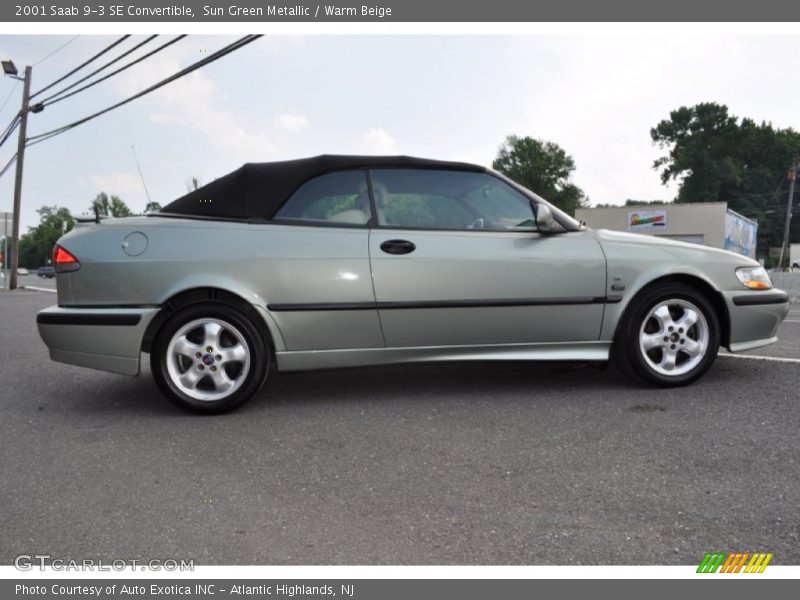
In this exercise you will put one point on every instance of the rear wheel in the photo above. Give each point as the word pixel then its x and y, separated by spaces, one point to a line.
pixel 209 358
pixel 669 335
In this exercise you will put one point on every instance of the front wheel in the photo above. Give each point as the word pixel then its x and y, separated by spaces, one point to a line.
pixel 209 358
pixel 669 335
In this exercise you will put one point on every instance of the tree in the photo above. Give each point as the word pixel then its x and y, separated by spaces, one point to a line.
pixel 36 246
pixel 543 167
pixel 152 206
pixel 110 206
pixel 718 157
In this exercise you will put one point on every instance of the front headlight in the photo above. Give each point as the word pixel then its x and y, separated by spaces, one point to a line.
pixel 755 278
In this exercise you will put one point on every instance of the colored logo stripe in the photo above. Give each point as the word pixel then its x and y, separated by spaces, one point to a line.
pixel 758 563
pixel 733 563
pixel 711 562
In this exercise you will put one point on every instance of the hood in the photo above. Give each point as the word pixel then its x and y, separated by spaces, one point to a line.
pixel 652 240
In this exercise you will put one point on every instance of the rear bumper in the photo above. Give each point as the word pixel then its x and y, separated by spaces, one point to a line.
pixel 109 339
pixel 755 317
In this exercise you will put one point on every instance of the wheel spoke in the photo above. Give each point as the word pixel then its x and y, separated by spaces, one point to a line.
pixel 212 332
pixel 191 377
pixel 668 358
pixel 688 319
pixel 221 380
pixel 692 348
pixel 663 317
pixel 186 348
pixel 652 340
pixel 235 353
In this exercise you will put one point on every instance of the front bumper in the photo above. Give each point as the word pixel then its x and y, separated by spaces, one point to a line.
pixel 755 317
pixel 109 339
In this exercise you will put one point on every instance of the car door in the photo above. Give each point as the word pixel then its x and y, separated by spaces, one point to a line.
pixel 316 275
pixel 457 260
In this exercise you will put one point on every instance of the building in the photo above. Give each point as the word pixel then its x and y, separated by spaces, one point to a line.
pixel 709 223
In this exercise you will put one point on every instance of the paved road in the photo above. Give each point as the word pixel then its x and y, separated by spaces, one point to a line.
pixel 37 282
pixel 455 464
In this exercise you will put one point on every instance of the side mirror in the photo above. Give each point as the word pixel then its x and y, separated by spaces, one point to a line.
pixel 545 222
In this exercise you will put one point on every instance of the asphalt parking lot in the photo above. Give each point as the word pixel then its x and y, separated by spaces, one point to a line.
pixel 437 464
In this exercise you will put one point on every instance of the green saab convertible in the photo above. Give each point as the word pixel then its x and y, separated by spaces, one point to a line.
pixel 343 261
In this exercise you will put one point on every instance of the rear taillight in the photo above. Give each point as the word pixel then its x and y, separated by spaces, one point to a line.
pixel 64 261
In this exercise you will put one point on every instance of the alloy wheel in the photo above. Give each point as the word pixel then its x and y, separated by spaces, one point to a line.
pixel 208 359
pixel 674 337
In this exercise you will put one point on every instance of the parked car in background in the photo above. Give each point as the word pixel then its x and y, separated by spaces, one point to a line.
pixel 48 272
pixel 344 261
pixel 22 272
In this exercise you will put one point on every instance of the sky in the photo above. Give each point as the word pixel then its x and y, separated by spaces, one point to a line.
pixel 452 97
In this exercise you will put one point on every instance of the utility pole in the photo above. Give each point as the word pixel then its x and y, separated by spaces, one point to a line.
pixel 5 250
pixel 785 245
pixel 23 130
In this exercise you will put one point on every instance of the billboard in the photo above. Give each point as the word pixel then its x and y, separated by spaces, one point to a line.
pixel 647 220
pixel 740 234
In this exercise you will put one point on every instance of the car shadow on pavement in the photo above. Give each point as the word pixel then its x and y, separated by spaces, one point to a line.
pixel 416 384
pixel 438 382
pixel 433 382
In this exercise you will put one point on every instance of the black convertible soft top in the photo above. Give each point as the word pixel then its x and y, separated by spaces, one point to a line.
pixel 258 190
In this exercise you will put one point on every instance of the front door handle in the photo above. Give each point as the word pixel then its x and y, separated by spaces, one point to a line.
pixel 398 247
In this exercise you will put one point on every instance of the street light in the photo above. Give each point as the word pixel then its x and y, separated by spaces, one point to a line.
pixel 9 68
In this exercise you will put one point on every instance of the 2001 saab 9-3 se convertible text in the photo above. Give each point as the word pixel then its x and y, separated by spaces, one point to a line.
pixel 342 261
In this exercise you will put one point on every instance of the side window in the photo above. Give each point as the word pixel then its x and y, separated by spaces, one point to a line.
pixel 435 199
pixel 340 197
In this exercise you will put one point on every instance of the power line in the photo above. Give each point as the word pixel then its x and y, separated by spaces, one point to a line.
pixel 14 87
pixel 8 165
pixel 193 67
pixel 46 101
pixel 83 64
pixel 61 47
pixel 9 130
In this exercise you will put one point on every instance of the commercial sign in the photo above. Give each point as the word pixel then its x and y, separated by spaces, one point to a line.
pixel 740 234
pixel 647 220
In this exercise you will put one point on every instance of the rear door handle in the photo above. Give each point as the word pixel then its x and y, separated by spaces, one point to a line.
pixel 398 247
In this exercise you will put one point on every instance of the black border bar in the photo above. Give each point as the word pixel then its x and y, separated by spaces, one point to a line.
pixel 116 319
pixel 759 298
pixel 488 303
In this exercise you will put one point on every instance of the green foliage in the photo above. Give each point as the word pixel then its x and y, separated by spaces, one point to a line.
pixel 152 207
pixel 633 202
pixel 543 167
pixel 331 205
pixel 424 210
pixel 110 206
pixel 36 246
pixel 718 157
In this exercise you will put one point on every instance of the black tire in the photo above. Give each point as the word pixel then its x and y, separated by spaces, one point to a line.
pixel 634 361
pixel 257 349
